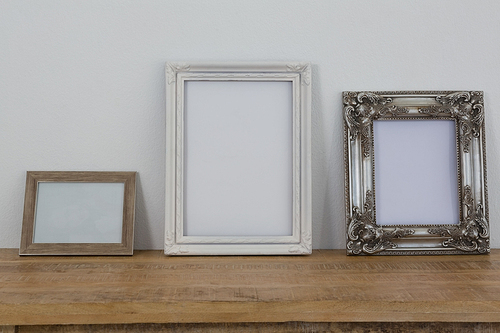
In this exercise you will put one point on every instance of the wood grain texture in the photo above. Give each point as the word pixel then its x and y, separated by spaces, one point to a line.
pixel 326 287
pixel 288 327
pixel 7 329
pixel 126 247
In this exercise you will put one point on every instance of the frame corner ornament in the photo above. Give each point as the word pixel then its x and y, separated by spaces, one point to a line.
pixel 361 109
pixel 304 69
pixel 467 107
pixel 304 247
pixel 175 250
pixel 171 248
pixel 172 68
pixel 470 234
pixel 299 249
pixel 364 236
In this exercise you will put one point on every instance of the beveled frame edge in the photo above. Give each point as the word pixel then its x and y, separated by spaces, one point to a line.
pixel 299 73
pixel 363 235
pixel 126 247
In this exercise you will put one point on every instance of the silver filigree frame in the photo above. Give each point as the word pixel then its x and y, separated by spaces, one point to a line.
pixel 300 242
pixel 364 236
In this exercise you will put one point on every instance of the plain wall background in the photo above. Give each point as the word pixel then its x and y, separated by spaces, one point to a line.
pixel 82 83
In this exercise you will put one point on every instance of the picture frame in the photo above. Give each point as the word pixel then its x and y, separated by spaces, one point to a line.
pixel 238 162
pixel 78 213
pixel 462 177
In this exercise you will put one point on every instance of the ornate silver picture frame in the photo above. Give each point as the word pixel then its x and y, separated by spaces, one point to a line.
pixel 366 233
pixel 238 159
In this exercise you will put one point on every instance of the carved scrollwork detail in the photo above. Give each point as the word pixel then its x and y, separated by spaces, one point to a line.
pixel 173 68
pixel 304 69
pixel 169 238
pixel 361 108
pixel 466 107
pixel 303 248
pixel 472 234
pixel 175 250
pixel 364 236
pixel 434 110
pixel 171 248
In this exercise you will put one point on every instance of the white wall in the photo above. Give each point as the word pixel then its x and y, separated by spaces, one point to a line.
pixel 82 82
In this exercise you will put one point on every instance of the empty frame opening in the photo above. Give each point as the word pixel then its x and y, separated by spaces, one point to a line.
pixel 77 212
pixel 238 154
pixel 416 177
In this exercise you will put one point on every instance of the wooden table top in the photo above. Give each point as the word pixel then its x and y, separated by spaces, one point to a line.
pixel 327 286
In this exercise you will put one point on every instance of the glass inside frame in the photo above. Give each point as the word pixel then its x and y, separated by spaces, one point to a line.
pixel 78 212
pixel 238 156
pixel 365 234
pixel 416 172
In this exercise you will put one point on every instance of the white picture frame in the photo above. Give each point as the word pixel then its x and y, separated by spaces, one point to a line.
pixel 424 154
pixel 238 159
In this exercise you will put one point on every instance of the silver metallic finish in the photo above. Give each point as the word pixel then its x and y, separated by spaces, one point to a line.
pixel 364 236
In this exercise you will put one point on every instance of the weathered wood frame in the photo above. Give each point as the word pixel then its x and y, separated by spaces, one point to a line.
pixel 364 235
pixel 176 242
pixel 33 178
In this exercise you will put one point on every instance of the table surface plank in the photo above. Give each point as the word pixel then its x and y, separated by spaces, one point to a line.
pixel 327 286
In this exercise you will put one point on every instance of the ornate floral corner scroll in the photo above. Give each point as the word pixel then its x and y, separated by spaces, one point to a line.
pixel 304 69
pixel 361 109
pixel 472 234
pixel 364 236
pixel 305 247
pixel 466 107
pixel 172 69
pixel 171 248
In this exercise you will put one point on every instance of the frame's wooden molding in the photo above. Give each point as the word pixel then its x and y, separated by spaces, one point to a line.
pixel 126 247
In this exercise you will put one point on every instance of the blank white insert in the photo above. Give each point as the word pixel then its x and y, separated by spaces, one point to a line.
pixel 238 158
pixel 79 212
pixel 415 172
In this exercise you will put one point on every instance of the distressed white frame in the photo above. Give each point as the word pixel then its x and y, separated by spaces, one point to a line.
pixel 470 235
pixel 300 242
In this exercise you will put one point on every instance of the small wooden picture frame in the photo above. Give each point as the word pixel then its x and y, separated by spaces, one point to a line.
pixel 78 213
